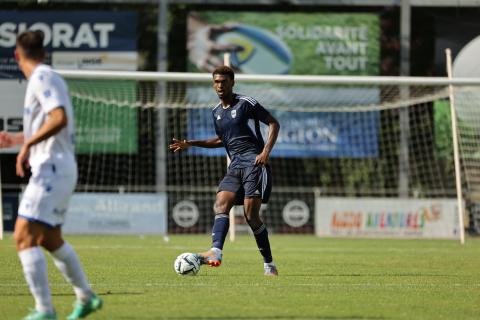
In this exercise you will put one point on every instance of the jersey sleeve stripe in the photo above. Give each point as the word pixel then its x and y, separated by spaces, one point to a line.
pixel 218 105
pixel 248 99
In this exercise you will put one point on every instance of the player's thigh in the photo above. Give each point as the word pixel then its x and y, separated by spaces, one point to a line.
pixel 27 234
pixel 230 191
pixel 224 201
pixel 45 200
pixel 30 234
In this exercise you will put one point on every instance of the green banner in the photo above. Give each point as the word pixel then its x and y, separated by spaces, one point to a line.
pixel 105 117
pixel 443 129
pixel 286 43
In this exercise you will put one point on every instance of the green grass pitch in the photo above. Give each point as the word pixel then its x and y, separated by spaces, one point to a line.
pixel 319 279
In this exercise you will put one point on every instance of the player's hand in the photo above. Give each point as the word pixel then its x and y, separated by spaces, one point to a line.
pixel 178 145
pixel 203 49
pixel 262 159
pixel 6 140
pixel 21 160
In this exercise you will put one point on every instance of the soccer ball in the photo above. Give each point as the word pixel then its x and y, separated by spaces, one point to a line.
pixel 187 264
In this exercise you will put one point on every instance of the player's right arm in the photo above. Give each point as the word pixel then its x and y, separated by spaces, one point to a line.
pixel 8 139
pixel 179 145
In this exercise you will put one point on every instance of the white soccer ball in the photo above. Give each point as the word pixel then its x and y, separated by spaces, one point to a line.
pixel 187 264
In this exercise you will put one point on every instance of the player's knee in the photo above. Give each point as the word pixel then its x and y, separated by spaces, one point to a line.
pixel 23 239
pixel 254 223
pixel 253 218
pixel 220 207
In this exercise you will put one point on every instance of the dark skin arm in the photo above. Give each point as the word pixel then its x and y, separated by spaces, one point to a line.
pixel 260 160
pixel 273 129
pixel 179 145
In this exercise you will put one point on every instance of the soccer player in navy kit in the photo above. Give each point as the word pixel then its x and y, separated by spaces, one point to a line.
pixel 248 180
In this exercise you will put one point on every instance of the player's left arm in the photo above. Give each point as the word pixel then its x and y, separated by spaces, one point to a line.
pixel 56 121
pixel 273 129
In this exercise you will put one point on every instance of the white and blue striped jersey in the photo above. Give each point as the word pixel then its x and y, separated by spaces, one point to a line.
pixel 238 126
pixel 46 90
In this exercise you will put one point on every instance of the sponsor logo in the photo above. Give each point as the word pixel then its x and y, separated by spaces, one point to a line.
pixel 185 214
pixel 60 34
pixel 234 113
pixel 296 213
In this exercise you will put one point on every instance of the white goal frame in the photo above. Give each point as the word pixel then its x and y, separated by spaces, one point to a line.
pixel 302 79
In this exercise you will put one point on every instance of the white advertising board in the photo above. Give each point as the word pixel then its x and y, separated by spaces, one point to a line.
pixel 384 217
pixel 12 92
pixel 115 213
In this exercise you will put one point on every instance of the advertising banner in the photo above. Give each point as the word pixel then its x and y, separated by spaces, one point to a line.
pixel 286 43
pixel 77 40
pixel 304 134
pixel 104 36
pixel 11 111
pixel 293 43
pixel 382 217
pixel 114 213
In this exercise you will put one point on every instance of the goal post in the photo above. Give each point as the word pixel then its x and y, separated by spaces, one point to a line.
pixel 339 138
pixel 456 154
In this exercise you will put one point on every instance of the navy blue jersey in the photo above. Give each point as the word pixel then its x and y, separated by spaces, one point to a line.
pixel 238 126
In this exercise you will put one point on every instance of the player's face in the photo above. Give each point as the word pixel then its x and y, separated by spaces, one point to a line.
pixel 223 85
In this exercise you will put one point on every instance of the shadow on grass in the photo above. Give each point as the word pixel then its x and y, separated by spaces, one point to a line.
pixel 368 275
pixel 264 318
pixel 106 293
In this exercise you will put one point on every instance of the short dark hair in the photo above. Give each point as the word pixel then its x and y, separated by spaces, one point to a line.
pixel 225 71
pixel 31 43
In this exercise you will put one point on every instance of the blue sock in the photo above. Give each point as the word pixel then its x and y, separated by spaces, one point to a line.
pixel 261 236
pixel 219 230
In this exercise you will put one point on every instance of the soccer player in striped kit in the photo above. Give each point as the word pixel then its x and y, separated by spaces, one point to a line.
pixel 248 180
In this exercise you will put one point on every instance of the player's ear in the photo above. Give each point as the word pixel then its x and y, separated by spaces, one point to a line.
pixel 17 55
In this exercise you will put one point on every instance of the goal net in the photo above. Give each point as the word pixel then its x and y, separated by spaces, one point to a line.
pixel 356 137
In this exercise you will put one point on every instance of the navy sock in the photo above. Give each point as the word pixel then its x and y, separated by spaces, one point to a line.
pixel 261 236
pixel 219 230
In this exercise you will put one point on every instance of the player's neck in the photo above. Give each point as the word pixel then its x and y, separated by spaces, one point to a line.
pixel 227 101
pixel 28 67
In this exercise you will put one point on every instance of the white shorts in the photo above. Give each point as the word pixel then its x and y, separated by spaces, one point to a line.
pixel 46 197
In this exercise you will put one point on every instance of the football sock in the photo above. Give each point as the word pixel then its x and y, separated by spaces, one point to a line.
pixel 261 236
pixel 35 270
pixel 219 230
pixel 66 260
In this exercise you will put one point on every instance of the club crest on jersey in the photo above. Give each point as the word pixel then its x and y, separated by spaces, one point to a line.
pixel 234 113
pixel 218 117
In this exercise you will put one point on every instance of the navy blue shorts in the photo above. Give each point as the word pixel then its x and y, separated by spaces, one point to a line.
pixel 249 182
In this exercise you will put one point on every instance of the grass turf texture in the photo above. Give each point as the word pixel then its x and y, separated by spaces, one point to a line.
pixel 319 279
